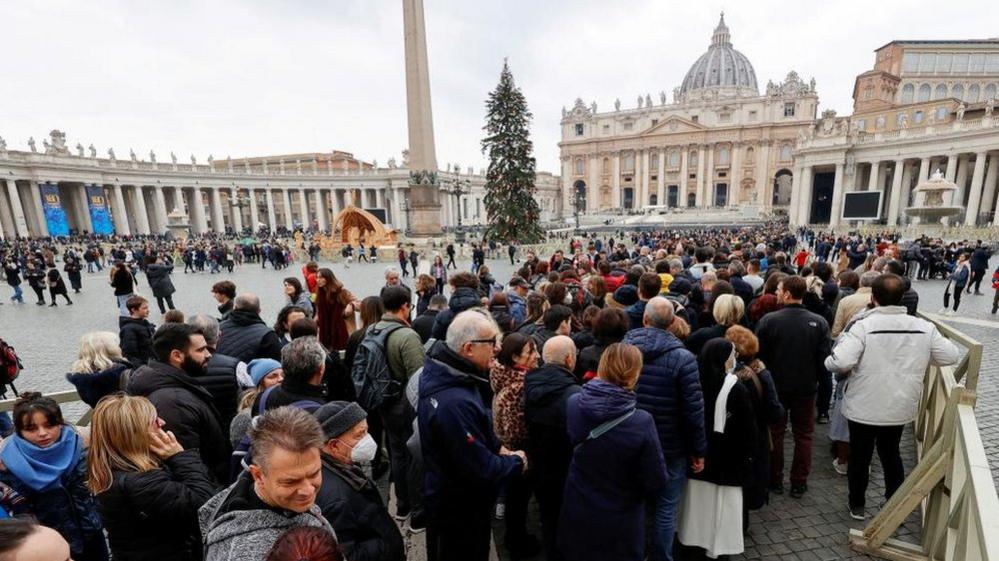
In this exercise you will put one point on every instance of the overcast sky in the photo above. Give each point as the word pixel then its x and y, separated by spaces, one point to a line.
pixel 268 77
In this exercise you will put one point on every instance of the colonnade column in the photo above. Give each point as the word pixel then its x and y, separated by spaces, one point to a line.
pixel 271 211
pixel 792 209
pixel 896 193
pixel 159 203
pixel 379 198
pixel 735 176
pixel 289 221
pixel 35 191
pixel 303 205
pixel 218 221
pixel 254 210
pixel 237 211
pixel 837 197
pixel 320 200
pixel 141 213
pixel 120 214
pixel 645 178
pixel 197 206
pixel 872 180
pixel 178 199
pixel 991 177
pixel 963 161
pixel 805 197
pixel 20 220
pixel 80 192
pixel 975 197
pixel 701 164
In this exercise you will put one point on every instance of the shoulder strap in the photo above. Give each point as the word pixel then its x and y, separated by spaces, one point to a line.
pixel 606 427
pixel 262 405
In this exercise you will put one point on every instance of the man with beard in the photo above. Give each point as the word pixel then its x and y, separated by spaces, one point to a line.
pixel 170 382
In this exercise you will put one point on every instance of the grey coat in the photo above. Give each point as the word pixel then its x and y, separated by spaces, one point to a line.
pixel 247 535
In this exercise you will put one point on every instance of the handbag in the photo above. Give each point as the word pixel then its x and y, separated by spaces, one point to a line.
pixel 947 295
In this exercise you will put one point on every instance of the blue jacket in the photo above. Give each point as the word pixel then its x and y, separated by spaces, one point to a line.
pixel 610 478
pixel 635 314
pixel 461 460
pixel 669 388
pixel 462 299
pixel 518 307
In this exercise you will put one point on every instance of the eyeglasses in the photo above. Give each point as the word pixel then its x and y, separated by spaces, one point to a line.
pixel 491 341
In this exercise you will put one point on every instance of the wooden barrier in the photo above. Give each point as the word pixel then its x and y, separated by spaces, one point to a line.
pixel 951 483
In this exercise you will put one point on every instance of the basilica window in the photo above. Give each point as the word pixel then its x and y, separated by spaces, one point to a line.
pixel 674 159
pixel 990 92
pixel 580 166
pixel 750 155
pixel 606 129
pixel 789 109
pixel 910 62
pixel 693 118
pixel 908 93
pixel 879 122
pixel 752 115
pixel 973 94
pixel 606 166
pixel 629 126
pixel 785 153
pixel 724 117
pixel 655 122
pixel 943 63
pixel 723 156
pixel 653 162
pixel 960 65
pixel 940 92
pixel 976 63
pixel 941 113
pixel 958 91
pixel 628 162
pixel 918 117
pixel 927 62
pixel 924 93
pixel 579 129
pixel 992 64
pixel 692 158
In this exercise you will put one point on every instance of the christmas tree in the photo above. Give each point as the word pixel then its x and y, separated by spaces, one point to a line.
pixel 511 209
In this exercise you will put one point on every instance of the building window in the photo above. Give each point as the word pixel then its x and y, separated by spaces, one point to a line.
pixel 973 94
pixel 724 117
pixel 992 64
pixel 976 63
pixel 580 166
pixel 478 207
pixel 861 125
pixel 924 93
pixel 606 166
pixel 879 123
pixel 655 122
pixel 898 119
pixel 957 91
pixel 674 159
pixel 941 91
pixel 785 153
pixel 927 62
pixel 943 63
pixel 941 113
pixel 752 115
pixel 579 129
pixel 908 93
pixel 693 118
pixel 653 162
pixel 910 62
pixel 723 156
pixel 990 92
pixel 629 162
pixel 692 158
pixel 606 129
pixel 960 65
pixel 629 126
pixel 918 117
pixel 789 109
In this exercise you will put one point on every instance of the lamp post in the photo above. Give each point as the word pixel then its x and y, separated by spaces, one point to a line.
pixel 406 208
pixel 577 203
pixel 239 202
pixel 456 187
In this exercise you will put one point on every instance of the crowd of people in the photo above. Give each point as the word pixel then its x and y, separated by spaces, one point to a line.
pixel 625 383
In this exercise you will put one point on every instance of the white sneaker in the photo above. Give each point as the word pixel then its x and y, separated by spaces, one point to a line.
pixel 500 511
pixel 838 467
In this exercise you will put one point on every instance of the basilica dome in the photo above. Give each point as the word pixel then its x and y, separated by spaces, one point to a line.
pixel 722 70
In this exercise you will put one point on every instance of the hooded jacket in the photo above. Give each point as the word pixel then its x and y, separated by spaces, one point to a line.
pixel 669 388
pixel 233 529
pixel 610 477
pixel 546 392
pixel 245 336
pixel 136 337
pixel 462 299
pixel 92 387
pixel 159 280
pixel 187 410
pixel 464 470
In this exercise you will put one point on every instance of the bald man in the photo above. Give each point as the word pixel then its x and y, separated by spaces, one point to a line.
pixel 246 336
pixel 546 391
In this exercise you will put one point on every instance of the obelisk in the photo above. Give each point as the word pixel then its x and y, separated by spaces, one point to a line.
pixel 424 190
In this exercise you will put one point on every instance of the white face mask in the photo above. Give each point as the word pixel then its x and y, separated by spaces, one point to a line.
pixel 364 451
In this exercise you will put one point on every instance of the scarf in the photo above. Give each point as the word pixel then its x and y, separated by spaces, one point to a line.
pixel 42 469
pixel 721 412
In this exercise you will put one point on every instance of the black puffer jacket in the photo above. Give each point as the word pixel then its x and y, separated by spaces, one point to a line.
pixel 159 280
pixel 136 337
pixel 92 387
pixel 794 344
pixel 188 410
pixel 352 505
pixel 154 514
pixel 246 337
pixel 462 299
pixel 220 381
pixel 546 393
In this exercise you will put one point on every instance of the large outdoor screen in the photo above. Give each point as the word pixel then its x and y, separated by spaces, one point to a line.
pixel 862 205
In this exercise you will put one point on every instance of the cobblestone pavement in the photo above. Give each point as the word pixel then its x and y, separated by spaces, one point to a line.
pixel 814 527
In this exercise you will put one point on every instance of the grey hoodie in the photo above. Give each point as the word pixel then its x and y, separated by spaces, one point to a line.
pixel 247 535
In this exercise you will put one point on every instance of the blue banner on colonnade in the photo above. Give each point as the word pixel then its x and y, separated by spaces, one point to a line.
pixel 55 216
pixel 100 216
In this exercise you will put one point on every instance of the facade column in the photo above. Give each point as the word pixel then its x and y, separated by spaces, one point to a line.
pixel 837 201
pixel 20 220
pixel 896 193
pixel 141 213
pixel 379 198
pixel 218 221
pixel 963 163
pixel 197 206
pixel 254 209
pixel 701 165
pixel 991 177
pixel 646 156
pixel 35 190
pixel 681 188
pixel 320 199
pixel 975 197
pixel 872 180
pixel 735 186
pixel 592 185
pixel 271 211
pixel 764 184
pixel 289 221
pixel 616 182
pixel 120 214
pixel 80 192
pixel 709 177
pixel 237 212
pixel 303 204
pixel 178 199
pixel 661 174
pixel 805 198
pixel 159 204
pixel 792 208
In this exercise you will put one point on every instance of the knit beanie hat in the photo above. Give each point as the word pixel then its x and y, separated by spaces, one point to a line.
pixel 337 417
pixel 259 368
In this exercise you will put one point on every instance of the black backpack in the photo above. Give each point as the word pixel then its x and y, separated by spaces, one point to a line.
pixel 370 372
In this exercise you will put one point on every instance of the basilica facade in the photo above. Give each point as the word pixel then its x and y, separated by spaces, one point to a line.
pixel 718 142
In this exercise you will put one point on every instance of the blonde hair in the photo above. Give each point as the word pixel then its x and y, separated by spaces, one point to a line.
pixel 98 351
pixel 728 309
pixel 119 439
pixel 620 365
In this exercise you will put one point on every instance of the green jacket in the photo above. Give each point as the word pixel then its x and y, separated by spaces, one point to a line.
pixel 403 350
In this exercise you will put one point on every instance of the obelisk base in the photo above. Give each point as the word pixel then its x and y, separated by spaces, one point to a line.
pixel 425 205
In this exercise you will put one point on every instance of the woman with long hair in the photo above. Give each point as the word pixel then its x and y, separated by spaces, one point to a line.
pixel 334 311
pixel 295 295
pixel 439 273
pixel 711 511
pixel 598 288
pixel 148 488
pixel 44 461
pixel 609 326
pixel 537 303
pixel 516 357
pixel 617 464
pixel 287 316
pixel 426 288
pixel 100 369
pixel 499 308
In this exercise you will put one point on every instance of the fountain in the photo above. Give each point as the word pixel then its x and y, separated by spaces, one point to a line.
pixel 178 226
pixel 930 207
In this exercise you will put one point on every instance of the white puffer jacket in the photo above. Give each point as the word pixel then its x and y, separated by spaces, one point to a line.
pixel 888 353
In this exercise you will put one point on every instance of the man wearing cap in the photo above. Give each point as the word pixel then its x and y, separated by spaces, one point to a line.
pixel 517 296
pixel 348 499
